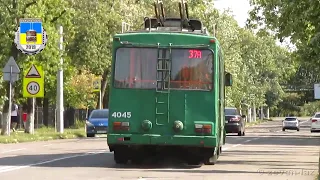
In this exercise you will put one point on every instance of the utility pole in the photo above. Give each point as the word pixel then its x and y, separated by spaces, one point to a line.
pixel 59 108
pixel 100 99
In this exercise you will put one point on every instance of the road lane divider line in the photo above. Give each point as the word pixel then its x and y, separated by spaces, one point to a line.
pixel 236 145
pixel 12 150
pixel 6 167
pixel 49 161
pixel 47 145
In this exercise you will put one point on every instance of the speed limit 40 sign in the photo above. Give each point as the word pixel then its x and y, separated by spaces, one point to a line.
pixel 33 88
pixel 33 82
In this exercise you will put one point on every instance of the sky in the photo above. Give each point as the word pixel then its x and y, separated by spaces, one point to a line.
pixel 239 9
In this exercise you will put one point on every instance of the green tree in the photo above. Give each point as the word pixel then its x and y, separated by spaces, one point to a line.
pixel 81 90
pixel 91 46
pixel 52 12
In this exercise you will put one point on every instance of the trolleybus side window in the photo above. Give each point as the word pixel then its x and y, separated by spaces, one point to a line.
pixel 135 68
pixel 191 69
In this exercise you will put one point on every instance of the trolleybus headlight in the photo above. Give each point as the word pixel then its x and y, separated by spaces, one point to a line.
pixel 121 126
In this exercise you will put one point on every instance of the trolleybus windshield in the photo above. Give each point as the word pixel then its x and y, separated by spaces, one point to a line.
pixel 191 69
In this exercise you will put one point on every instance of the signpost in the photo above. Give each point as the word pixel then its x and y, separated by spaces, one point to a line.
pixel 33 86
pixel 33 82
pixel 316 91
pixel 11 73
pixel 96 84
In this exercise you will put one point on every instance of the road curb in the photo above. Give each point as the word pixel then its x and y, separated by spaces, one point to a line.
pixel 254 123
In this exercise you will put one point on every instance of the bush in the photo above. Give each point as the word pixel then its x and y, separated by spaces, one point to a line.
pixel 79 124
pixel 310 108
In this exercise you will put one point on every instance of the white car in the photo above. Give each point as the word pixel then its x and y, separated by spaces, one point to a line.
pixel 315 122
pixel 291 123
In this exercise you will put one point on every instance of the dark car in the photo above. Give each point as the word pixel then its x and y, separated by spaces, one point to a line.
pixel 97 122
pixel 235 122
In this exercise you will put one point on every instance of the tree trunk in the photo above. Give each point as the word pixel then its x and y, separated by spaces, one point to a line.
pixel 46 111
pixel 249 114
pixel 104 84
pixel 254 113
pixel 30 119
pixel 66 117
pixel 6 117
pixel 106 98
pixel 69 117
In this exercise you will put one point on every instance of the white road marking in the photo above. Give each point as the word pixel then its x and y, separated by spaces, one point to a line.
pixel 6 167
pixel 236 145
pixel 12 150
pixel 12 168
pixel 47 145
pixel 46 162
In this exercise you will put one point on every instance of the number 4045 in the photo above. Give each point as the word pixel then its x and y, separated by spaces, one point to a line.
pixel 121 114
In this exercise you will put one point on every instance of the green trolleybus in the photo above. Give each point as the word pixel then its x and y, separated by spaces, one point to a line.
pixel 167 91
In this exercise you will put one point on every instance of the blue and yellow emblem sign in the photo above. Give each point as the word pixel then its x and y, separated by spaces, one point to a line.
pixel 31 38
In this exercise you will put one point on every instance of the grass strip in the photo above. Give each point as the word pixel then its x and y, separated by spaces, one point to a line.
pixel 42 134
pixel 248 124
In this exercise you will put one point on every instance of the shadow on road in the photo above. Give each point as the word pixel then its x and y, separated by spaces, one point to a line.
pixel 279 152
pixel 102 160
pixel 287 140
pixel 60 160
pixel 274 163
pixel 105 160
pixel 280 139
pixel 200 171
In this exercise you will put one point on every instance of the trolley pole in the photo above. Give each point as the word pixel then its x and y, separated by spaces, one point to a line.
pixel 59 107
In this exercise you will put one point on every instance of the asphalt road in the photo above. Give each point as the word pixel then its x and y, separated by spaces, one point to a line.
pixel 264 153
